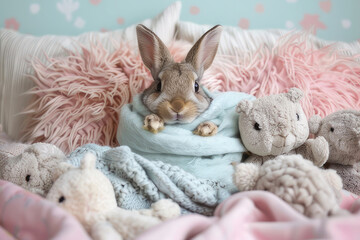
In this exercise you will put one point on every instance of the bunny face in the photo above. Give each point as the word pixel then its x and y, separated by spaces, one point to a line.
pixel 342 131
pixel 273 125
pixel 176 95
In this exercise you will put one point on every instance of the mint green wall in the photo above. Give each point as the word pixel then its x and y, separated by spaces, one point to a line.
pixel 333 19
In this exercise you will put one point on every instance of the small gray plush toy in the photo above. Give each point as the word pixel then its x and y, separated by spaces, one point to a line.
pixel 342 131
pixel 275 125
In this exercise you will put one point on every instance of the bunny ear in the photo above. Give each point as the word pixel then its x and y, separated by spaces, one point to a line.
pixel 153 51
pixel 244 106
pixel 294 94
pixel 89 161
pixel 202 54
pixel 315 124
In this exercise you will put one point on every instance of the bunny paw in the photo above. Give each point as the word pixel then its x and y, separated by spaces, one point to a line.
pixel 153 123
pixel 206 129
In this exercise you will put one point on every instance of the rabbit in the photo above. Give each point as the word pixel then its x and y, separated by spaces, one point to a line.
pixel 175 96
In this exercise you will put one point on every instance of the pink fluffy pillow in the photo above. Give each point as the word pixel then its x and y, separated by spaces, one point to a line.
pixel 78 97
pixel 329 79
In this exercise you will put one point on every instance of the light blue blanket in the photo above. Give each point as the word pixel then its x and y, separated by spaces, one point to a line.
pixel 204 157
pixel 138 182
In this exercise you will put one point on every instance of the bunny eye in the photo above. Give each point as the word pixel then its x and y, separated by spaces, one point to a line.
pixel 158 86
pixel 297 117
pixel 196 86
pixel 332 129
pixel 61 199
pixel 27 178
pixel 257 126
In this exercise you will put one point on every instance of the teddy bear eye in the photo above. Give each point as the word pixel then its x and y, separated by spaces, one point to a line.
pixel 61 199
pixel 298 117
pixel 27 178
pixel 332 129
pixel 257 126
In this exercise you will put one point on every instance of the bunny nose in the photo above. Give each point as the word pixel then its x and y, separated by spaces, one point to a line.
pixel 177 104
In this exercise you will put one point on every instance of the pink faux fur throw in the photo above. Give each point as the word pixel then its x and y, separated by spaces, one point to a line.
pixel 78 97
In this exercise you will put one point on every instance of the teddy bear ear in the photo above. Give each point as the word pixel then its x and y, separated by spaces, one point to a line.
pixel 60 169
pixel 244 107
pixel 89 161
pixel 315 124
pixel 294 94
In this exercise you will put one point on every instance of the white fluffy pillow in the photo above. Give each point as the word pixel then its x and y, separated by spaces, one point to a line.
pixel 17 50
pixel 235 40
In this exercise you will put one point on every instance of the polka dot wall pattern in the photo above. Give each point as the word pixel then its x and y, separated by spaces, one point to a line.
pixel 329 19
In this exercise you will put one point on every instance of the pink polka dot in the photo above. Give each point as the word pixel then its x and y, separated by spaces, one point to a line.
pixel 325 5
pixel 104 30
pixel 120 21
pixel 95 2
pixel 259 8
pixel 194 10
pixel 12 23
pixel 244 23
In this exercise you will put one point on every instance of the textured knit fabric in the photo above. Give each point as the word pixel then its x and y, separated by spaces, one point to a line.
pixel 204 157
pixel 138 182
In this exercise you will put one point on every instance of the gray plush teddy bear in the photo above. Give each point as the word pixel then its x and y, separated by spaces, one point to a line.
pixel 342 131
pixel 275 125
pixel 34 168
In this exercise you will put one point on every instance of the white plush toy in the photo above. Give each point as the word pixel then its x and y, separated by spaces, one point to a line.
pixel 294 179
pixel 88 195
pixel 33 169
pixel 275 125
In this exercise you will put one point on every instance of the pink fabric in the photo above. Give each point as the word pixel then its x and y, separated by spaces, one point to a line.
pixel 329 79
pixel 258 215
pixel 24 215
pixel 79 96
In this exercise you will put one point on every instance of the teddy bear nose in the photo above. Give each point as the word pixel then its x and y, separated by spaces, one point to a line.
pixel 177 104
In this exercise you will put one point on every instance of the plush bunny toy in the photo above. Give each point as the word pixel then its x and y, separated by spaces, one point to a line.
pixel 342 131
pixel 34 168
pixel 275 125
pixel 89 196
pixel 175 96
pixel 296 180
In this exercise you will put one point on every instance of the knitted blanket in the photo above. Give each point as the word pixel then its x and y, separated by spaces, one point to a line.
pixel 204 157
pixel 138 182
